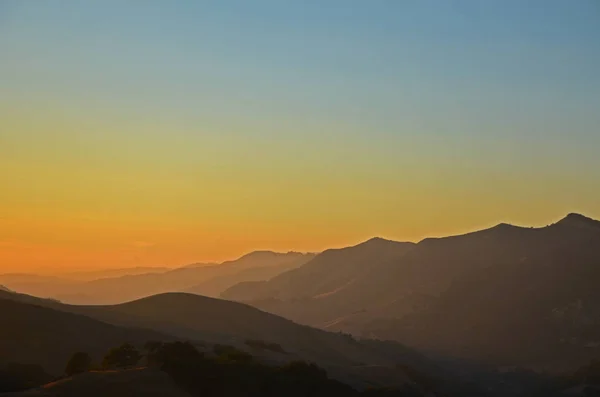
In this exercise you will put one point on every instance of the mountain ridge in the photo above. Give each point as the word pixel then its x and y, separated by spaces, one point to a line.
pixel 424 279
pixel 132 286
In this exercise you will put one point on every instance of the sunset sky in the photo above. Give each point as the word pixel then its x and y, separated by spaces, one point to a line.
pixel 136 133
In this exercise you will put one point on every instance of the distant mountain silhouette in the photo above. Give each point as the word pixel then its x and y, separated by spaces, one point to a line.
pixel 218 284
pixel 256 266
pixel 105 273
pixel 38 285
pixel 319 289
pixel 507 294
pixel 198 279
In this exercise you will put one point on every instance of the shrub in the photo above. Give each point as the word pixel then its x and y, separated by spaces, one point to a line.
pixel 79 362
pixel 123 356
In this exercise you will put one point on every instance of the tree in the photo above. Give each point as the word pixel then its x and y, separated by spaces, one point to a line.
pixel 123 356
pixel 153 348
pixel 227 353
pixel 80 362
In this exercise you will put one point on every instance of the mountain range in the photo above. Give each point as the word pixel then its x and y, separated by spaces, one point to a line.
pixel 506 295
pixel 135 283
pixel 502 298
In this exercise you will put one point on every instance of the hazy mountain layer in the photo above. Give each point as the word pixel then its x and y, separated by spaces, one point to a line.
pixel 210 279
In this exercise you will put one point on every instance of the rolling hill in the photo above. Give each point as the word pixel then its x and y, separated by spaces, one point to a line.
pixel 32 334
pixel 216 321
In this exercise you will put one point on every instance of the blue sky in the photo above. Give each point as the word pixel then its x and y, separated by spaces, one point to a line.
pixel 402 111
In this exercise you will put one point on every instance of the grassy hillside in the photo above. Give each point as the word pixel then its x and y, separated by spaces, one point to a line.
pixel 211 320
pixel 131 383
pixel 37 335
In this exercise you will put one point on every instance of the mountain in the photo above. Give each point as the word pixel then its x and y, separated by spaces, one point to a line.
pixel 532 300
pixel 38 285
pixel 507 295
pixel 327 287
pixel 263 270
pixel 40 335
pixel 114 290
pixel 106 273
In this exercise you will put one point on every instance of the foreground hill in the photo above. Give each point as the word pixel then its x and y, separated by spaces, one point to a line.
pixel 39 335
pixel 509 295
pixel 131 383
pixel 213 321
pixel 209 279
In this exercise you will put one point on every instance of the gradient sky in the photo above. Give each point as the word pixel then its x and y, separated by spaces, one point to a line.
pixel 161 133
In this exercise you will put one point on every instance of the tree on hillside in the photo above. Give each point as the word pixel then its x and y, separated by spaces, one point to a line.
pixel 80 362
pixel 152 349
pixel 153 345
pixel 226 353
pixel 123 356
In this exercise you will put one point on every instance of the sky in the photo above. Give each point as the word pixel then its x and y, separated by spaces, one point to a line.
pixel 137 133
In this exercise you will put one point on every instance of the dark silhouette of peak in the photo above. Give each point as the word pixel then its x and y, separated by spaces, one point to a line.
pixel 574 219
pixel 380 242
pixel 501 230
pixel 370 245
pixel 504 226
pixel 261 254
pixel 377 240
pixel 266 258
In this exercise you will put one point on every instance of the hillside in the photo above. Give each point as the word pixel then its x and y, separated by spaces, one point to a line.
pixel 325 287
pixel 508 294
pixel 131 383
pixel 38 335
pixel 216 321
pixel 537 304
